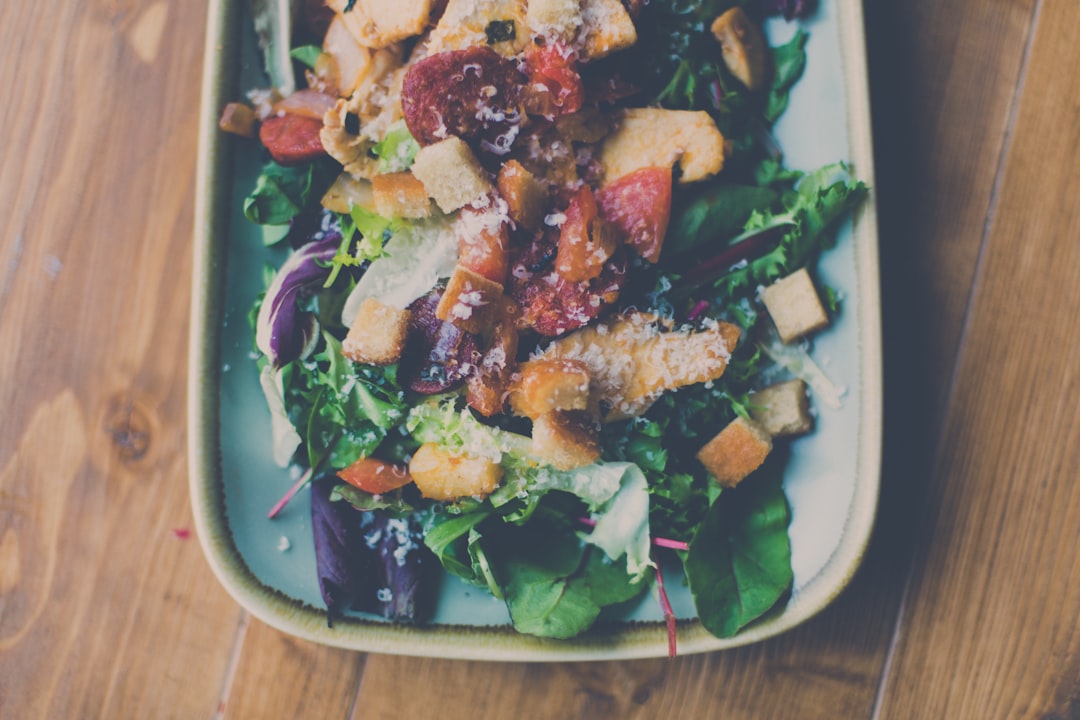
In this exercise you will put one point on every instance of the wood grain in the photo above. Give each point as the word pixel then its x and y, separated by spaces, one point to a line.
pixel 991 629
pixel 106 610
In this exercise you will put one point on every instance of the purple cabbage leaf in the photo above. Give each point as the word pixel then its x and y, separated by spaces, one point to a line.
pixel 368 561
pixel 283 331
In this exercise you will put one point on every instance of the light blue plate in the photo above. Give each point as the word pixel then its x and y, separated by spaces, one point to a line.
pixel 269 565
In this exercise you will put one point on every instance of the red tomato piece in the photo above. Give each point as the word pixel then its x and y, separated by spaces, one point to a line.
pixel 552 73
pixel 375 476
pixel 483 243
pixel 291 139
pixel 640 204
pixel 584 243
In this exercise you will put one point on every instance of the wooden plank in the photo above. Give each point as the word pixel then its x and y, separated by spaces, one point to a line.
pixel 826 669
pixel 945 75
pixel 104 610
pixel 279 676
pixel 991 627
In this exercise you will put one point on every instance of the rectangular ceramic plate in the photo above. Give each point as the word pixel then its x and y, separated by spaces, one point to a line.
pixel 832 481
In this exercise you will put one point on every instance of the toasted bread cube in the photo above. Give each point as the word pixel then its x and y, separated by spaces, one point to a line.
pixel 377 335
pixel 470 301
pixel 738 450
pixel 545 385
pixel 348 192
pixel 353 59
pixel 443 476
pixel 743 47
pixel 654 137
pixel 794 306
pixel 451 174
pixel 464 24
pixel 606 27
pixel 378 23
pixel 554 19
pixel 400 195
pixel 566 439
pixel 782 409
pixel 524 194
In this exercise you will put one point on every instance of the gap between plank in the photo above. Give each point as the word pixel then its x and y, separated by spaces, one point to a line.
pixel 938 450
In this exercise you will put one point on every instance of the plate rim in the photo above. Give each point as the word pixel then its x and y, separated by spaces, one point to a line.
pixel 612 641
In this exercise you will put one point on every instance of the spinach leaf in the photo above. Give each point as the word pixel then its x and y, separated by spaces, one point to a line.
pixel 281 193
pixel 790 61
pixel 715 215
pixel 554 586
pixel 739 563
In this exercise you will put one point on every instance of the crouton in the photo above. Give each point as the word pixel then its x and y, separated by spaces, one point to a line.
pixel 743 47
pixel 524 194
pixel 635 358
pixel 794 306
pixel 352 59
pixel 377 335
pixel 782 409
pixel 654 137
pixel 546 385
pixel 554 19
pixel 451 174
pixel 566 439
pixel 378 23
pixel 444 477
pixel 738 450
pixel 348 192
pixel 400 195
pixel 606 27
pixel 470 301
pixel 465 22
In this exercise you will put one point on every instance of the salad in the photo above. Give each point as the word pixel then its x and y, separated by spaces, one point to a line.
pixel 544 309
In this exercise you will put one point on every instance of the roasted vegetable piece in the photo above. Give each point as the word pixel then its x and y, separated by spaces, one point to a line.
pixel 553 305
pixel 554 85
pixel 586 242
pixel 471 93
pixel 438 355
pixel 375 476
pixel 489 385
pixel 484 243
pixel 639 204
pixel 291 139
pixel 744 47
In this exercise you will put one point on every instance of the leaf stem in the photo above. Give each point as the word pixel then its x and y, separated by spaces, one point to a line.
pixel 669 614
pixel 304 480
pixel 657 541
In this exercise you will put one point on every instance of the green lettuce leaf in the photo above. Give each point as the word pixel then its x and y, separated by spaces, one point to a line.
pixel 397 150
pixel 281 193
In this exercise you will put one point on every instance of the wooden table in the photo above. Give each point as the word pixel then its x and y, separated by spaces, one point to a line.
pixel 967 605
